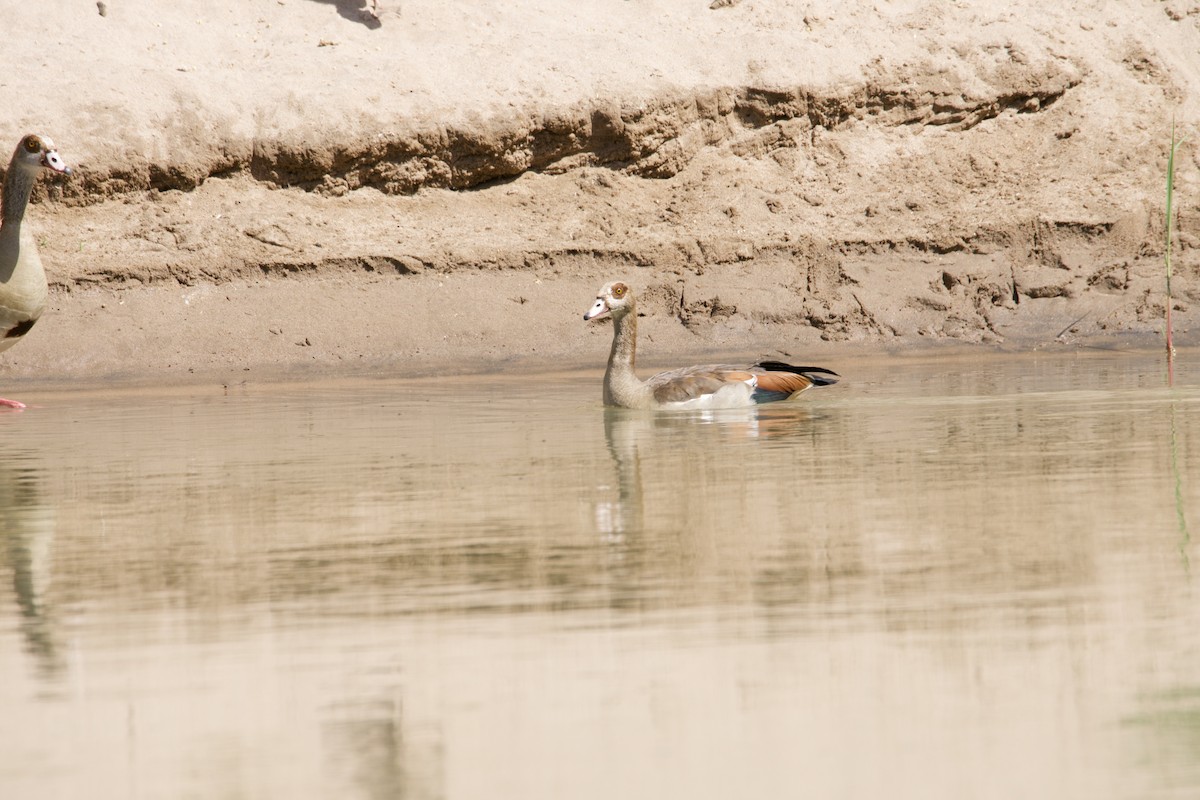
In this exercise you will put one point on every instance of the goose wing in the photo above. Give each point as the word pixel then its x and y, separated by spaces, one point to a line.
pixel 769 380
pixel 690 383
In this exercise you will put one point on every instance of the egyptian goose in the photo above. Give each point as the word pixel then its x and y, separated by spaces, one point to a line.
pixel 22 280
pixel 714 386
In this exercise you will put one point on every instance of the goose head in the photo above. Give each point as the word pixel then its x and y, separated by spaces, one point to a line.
pixel 37 152
pixel 614 298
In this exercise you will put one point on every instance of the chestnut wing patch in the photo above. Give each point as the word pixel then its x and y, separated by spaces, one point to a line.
pixel 783 382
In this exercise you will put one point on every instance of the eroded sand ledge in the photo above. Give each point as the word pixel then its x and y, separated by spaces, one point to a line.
pixel 272 188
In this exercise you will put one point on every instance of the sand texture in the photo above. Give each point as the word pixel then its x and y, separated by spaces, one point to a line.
pixel 283 186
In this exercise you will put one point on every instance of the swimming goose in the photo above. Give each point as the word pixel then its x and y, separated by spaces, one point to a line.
pixel 714 386
pixel 22 280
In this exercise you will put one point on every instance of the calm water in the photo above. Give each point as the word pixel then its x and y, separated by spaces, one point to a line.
pixel 950 578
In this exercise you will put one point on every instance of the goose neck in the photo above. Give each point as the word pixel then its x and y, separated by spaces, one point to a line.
pixel 624 345
pixel 621 384
pixel 18 185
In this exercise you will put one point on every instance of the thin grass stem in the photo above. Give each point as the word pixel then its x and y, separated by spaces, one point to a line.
pixel 1170 230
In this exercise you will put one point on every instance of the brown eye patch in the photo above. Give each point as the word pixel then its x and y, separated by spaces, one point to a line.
pixel 619 290
pixel 32 144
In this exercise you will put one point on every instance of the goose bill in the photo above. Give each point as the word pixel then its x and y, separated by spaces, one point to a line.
pixel 597 310
pixel 54 161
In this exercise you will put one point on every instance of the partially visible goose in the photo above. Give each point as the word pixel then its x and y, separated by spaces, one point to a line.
pixel 714 386
pixel 22 280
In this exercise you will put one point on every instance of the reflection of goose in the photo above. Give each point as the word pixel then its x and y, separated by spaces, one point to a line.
pixel 364 742
pixel 631 435
pixel 622 432
pixel 715 386
pixel 22 280
pixel 27 530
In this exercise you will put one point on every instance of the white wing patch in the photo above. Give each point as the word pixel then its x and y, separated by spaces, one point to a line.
pixel 736 394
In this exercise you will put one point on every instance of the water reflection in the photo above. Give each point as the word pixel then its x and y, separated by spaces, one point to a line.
pixel 404 589
pixel 1167 734
pixel 364 744
pixel 623 432
pixel 1185 536
pixel 27 526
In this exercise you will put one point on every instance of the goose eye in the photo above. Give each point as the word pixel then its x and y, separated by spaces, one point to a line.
pixel 619 291
pixel 32 144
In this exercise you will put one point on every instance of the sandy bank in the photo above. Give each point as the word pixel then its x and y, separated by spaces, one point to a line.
pixel 267 188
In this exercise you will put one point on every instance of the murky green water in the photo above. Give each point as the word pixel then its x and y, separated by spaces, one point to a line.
pixel 942 579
